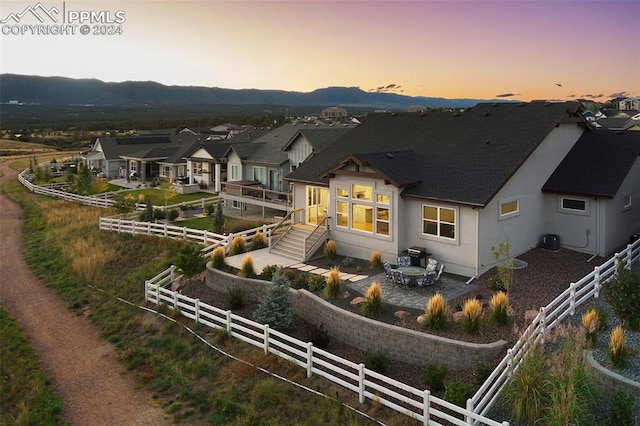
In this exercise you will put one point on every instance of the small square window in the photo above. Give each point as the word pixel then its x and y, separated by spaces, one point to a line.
pixel 510 207
pixel 574 204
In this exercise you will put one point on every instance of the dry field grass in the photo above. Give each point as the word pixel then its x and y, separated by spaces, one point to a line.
pixel 12 147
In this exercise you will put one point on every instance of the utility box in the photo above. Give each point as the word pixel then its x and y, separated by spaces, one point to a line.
pixel 551 242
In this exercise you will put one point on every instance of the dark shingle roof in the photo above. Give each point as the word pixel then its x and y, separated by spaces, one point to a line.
pixel 319 137
pixel 460 157
pixel 597 164
pixel 395 167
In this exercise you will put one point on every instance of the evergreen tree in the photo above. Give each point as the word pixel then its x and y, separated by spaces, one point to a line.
pixel 148 213
pixel 218 219
pixel 83 182
pixel 276 306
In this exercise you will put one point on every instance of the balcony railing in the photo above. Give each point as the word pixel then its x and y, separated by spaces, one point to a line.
pixel 252 190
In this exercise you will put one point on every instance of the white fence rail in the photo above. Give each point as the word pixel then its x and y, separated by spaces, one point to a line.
pixel 64 195
pixel 367 384
pixel 547 319
pixel 210 239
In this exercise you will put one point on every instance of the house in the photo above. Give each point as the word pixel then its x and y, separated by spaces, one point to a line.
pixel 457 184
pixel 333 113
pixel 625 104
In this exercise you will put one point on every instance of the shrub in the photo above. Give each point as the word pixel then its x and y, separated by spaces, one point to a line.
pixel 190 260
pixel 159 214
pixel 618 347
pixel 301 281
pixel 276 306
pixel 316 282
pixel 217 257
pixel 319 337
pixel 333 285
pixel 375 262
pixel 433 376
pixel 258 241
pixel 236 246
pixel 173 214
pixel 621 408
pixel 524 393
pixel 268 271
pixel 457 392
pixel 481 372
pixel 246 267
pixel 472 310
pixel 217 223
pixel 591 325
pixel 148 211
pixel 437 313
pixel 330 249
pixel 504 269
pixel 499 305
pixel 141 199
pixel 234 298
pixel 348 261
pixel 376 361
pixel 623 294
pixel 209 209
pixel 496 284
pixel 372 306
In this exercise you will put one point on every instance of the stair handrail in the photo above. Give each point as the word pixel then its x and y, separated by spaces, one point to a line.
pixel 289 220
pixel 323 224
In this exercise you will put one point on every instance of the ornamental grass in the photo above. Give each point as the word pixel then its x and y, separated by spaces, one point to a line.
pixel 437 313
pixel 217 257
pixel 237 245
pixel 618 347
pixel 333 285
pixel 258 241
pixel 246 267
pixel 591 325
pixel 375 262
pixel 330 249
pixel 472 310
pixel 372 305
pixel 499 306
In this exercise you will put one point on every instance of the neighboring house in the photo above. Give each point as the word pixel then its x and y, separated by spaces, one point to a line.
pixel 333 113
pixel 206 165
pixel 624 104
pixel 455 183
pixel 306 142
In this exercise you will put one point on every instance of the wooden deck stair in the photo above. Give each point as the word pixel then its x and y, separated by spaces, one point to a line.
pixel 292 242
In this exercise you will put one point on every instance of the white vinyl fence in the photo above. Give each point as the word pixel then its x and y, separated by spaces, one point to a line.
pixel 95 201
pixel 367 384
pixel 547 319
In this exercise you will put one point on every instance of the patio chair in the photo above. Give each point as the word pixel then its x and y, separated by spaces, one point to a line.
pixel 438 275
pixel 404 261
pixel 388 271
pixel 427 279
pixel 398 277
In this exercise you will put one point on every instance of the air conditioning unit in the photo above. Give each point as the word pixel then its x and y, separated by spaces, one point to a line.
pixel 551 242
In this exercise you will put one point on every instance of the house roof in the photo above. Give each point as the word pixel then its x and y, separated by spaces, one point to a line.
pixel 215 148
pixel 114 147
pixel 614 123
pixel 607 156
pixel 271 144
pixel 463 157
pixel 318 137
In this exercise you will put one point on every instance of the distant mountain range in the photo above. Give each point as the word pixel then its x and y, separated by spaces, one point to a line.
pixel 69 91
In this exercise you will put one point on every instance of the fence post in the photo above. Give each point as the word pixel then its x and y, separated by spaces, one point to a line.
pixel 146 287
pixel 157 295
pixel 572 301
pixel 309 359
pixel 510 362
pixel 166 233
pixel 197 309
pixel 629 256
pixel 468 418
pixel 597 284
pixel 543 323
pixel 229 322
pixel 361 383
pixel 184 233
pixel 266 339
pixel 426 405
pixel 175 300
pixel 172 273
pixel 148 228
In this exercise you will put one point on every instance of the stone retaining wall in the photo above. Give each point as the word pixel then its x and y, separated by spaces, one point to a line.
pixel 397 343
pixel 611 381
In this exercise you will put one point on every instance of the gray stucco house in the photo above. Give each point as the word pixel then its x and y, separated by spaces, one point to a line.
pixel 458 183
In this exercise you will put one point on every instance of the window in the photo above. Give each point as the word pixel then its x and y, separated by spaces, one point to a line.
pixel 260 174
pixel 573 204
pixel 197 168
pixel 165 171
pixel 510 208
pixel 359 207
pixel 235 172
pixel 439 221
pixel 626 201
pixel 133 166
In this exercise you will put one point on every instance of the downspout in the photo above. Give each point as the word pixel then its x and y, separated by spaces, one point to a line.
pixel 597 231
pixel 477 256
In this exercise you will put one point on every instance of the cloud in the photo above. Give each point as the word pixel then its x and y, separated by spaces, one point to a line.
pixel 505 95
pixel 622 94
pixel 571 96
pixel 392 87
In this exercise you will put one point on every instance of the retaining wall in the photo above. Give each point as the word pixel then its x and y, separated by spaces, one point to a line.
pixel 397 343
pixel 611 381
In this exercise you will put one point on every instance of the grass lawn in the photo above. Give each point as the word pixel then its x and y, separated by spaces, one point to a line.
pixel 157 196
pixel 232 224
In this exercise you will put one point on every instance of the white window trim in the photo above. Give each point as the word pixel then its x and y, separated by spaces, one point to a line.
pixel 563 209
pixel 373 203
pixel 626 207
pixel 456 224
pixel 235 168
pixel 509 215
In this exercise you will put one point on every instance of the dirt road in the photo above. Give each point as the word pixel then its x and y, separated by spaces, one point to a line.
pixel 94 387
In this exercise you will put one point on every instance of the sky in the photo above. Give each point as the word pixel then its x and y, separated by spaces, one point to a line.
pixel 514 49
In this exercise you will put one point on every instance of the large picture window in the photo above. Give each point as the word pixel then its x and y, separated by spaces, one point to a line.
pixel 361 208
pixel 260 174
pixel 439 221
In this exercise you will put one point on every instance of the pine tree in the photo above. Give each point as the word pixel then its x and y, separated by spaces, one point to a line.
pixel 148 214
pixel 218 220
pixel 276 306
